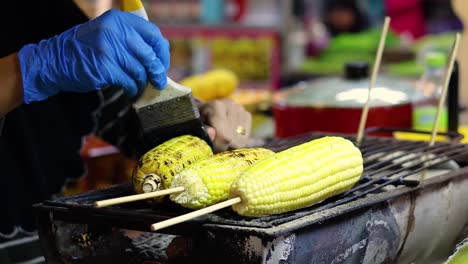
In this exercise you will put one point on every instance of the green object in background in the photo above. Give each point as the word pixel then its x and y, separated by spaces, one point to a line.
pixel 412 68
pixel 367 41
pixel 440 42
pixel 332 64
pixel 345 48
pixel 409 68
pixel 423 118
pixel 436 59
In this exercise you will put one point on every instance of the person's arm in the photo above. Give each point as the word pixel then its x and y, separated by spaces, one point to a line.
pixel 115 49
pixel 11 88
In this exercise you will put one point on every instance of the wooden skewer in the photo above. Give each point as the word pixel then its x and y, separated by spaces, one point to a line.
pixel 375 70
pixel 194 214
pixel 136 197
pixel 448 74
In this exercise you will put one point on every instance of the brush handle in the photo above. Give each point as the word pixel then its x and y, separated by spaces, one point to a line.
pixel 173 89
pixel 153 96
pixel 135 7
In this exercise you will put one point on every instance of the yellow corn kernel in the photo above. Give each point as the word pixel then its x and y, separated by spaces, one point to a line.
pixel 157 167
pixel 208 181
pixel 298 177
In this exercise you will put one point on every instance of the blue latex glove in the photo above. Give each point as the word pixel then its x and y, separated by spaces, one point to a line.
pixel 117 48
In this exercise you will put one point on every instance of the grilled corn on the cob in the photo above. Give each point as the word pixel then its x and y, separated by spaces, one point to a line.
pixel 298 177
pixel 208 181
pixel 157 167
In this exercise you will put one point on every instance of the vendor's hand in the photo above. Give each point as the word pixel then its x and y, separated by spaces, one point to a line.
pixel 229 124
pixel 117 48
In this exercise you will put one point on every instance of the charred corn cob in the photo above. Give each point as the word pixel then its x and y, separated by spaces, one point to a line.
pixel 157 167
pixel 298 177
pixel 208 181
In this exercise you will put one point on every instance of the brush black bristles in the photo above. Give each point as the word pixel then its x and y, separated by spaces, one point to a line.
pixel 165 120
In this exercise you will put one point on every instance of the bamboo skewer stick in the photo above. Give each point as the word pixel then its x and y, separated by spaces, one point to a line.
pixel 136 197
pixel 194 214
pixel 375 70
pixel 447 75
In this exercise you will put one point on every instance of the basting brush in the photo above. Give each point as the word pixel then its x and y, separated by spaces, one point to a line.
pixel 168 113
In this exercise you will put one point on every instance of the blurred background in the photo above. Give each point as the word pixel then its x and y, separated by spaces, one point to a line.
pixel 304 65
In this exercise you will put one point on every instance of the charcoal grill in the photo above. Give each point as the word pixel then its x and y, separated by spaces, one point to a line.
pixel 389 216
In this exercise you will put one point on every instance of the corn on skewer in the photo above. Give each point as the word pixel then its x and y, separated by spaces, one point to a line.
pixel 157 167
pixel 136 197
pixel 208 181
pixel 294 178
pixel 298 177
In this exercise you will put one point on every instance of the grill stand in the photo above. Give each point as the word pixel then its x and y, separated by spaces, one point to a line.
pixel 403 229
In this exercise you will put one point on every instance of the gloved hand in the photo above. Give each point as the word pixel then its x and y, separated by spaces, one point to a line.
pixel 230 124
pixel 117 48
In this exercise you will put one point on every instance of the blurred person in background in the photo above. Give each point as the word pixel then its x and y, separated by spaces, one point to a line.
pixel 407 17
pixel 63 77
pixel 440 17
pixel 344 16
pixel 417 18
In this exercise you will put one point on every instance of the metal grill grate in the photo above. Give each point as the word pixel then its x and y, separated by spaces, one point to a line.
pixel 389 164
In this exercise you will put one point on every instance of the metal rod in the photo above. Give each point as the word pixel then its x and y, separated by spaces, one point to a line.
pixel 454 152
pixel 384 151
pixel 380 186
pixel 414 150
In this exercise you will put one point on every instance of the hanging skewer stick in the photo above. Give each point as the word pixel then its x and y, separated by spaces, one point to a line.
pixel 375 70
pixel 447 75
pixel 136 197
pixel 194 214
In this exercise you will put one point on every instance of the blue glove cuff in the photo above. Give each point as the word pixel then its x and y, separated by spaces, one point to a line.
pixel 31 67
